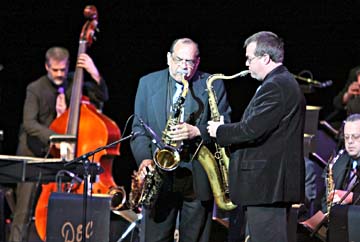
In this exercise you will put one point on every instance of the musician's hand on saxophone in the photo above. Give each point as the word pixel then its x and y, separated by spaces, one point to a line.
pixel 336 195
pixel 145 166
pixel 214 125
pixel 183 131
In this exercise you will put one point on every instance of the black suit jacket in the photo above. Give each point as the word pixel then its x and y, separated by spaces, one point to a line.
pixel 267 165
pixel 152 106
pixel 341 175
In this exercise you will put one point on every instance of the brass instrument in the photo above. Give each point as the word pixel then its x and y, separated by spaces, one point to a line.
pixel 144 191
pixel 330 185
pixel 322 218
pixel 168 157
pixel 216 166
pixel 118 198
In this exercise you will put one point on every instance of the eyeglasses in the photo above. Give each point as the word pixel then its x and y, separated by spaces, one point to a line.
pixel 177 60
pixel 249 60
pixel 353 137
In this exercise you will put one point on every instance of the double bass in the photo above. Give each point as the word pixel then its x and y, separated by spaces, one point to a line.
pixel 91 128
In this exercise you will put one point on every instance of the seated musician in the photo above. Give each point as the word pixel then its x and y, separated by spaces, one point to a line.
pixel 46 99
pixel 340 177
pixel 345 168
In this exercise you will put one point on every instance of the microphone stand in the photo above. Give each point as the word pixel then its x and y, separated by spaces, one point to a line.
pixel 89 173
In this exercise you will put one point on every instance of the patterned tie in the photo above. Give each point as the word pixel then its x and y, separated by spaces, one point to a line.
pixel 352 176
pixel 177 93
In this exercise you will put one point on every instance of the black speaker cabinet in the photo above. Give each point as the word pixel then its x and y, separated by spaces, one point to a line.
pixel 65 218
pixel 344 223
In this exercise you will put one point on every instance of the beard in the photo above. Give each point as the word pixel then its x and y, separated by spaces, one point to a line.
pixel 58 81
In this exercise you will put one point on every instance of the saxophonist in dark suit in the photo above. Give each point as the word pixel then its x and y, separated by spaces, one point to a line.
pixel 185 190
pixel 345 168
pixel 267 169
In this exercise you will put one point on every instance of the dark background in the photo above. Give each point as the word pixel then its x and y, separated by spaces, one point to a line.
pixel 322 37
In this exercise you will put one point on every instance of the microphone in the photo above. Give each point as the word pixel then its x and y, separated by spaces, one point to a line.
pixel 326 83
pixel 70 174
pixel 61 90
pixel 155 138
pixel 73 176
pixel 135 134
pixel 315 82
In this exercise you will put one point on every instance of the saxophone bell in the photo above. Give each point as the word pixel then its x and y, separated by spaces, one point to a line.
pixel 168 158
pixel 118 198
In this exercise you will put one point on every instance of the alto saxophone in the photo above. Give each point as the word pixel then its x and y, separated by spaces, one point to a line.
pixel 144 191
pixel 216 166
pixel 330 185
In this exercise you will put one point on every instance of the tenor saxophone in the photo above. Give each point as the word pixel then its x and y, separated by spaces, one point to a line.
pixel 216 165
pixel 168 156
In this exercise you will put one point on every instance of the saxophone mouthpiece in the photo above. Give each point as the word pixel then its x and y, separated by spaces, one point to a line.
pixel 244 73
pixel 184 72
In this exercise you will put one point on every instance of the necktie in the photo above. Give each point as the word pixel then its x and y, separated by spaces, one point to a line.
pixel 177 93
pixel 352 177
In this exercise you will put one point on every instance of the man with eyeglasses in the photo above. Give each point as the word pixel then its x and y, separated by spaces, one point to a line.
pixel 267 169
pixel 345 167
pixel 185 192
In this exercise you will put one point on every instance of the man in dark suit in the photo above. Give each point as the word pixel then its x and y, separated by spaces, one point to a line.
pixel 267 171
pixel 46 99
pixel 185 190
pixel 345 166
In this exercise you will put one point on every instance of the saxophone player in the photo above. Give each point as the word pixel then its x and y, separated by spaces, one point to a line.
pixel 185 190
pixel 344 170
pixel 267 169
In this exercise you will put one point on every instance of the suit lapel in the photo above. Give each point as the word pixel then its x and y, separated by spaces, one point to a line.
pixel 159 99
pixel 339 171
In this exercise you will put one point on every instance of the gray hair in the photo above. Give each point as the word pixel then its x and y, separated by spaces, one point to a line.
pixel 353 117
pixel 56 53
pixel 267 43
